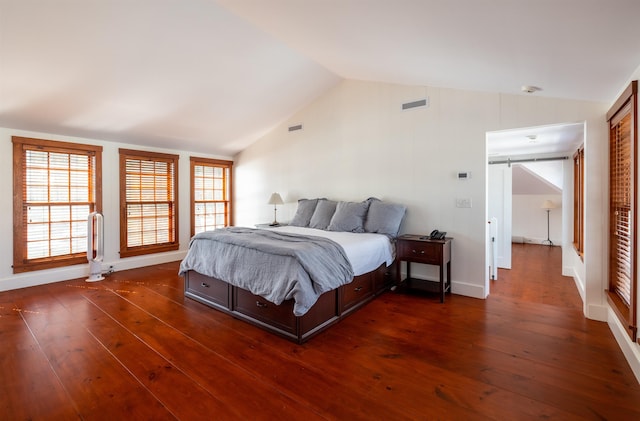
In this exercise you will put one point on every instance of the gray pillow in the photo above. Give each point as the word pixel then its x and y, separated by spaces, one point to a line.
pixel 384 218
pixel 322 214
pixel 304 212
pixel 349 217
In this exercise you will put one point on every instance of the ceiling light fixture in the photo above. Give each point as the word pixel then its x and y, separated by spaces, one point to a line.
pixel 530 89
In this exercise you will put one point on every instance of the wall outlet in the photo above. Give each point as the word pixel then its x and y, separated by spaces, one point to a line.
pixel 463 202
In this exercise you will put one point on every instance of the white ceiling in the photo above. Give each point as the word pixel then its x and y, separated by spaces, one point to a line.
pixel 554 140
pixel 213 76
pixel 552 146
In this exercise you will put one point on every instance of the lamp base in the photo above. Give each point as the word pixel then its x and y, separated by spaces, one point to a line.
pixel 95 271
pixel 548 240
pixel 274 224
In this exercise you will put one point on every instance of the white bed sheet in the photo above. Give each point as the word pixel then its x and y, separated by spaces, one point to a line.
pixel 365 251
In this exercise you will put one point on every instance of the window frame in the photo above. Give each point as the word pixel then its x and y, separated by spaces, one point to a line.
pixel 173 243
pixel 578 201
pixel 216 163
pixel 626 104
pixel 21 262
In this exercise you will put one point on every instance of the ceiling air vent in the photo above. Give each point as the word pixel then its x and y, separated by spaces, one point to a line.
pixel 415 104
pixel 296 127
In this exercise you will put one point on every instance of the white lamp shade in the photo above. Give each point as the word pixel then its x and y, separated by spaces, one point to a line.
pixel 275 199
pixel 548 204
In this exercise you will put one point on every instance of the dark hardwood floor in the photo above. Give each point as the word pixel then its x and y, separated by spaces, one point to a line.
pixel 132 347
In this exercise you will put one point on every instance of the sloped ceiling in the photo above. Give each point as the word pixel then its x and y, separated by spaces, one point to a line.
pixel 532 181
pixel 213 76
pixel 183 74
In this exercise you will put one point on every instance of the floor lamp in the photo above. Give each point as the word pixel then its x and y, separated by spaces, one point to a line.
pixel 548 205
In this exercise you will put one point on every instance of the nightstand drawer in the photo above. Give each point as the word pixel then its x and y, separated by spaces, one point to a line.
pixel 420 252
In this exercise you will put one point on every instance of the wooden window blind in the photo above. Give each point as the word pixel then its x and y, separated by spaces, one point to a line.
pixel 148 205
pixel 622 210
pixel 56 186
pixel 210 194
pixel 578 201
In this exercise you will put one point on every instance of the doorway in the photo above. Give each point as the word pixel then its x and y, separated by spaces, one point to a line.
pixel 527 167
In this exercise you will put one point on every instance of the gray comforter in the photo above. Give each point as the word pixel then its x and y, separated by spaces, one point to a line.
pixel 275 265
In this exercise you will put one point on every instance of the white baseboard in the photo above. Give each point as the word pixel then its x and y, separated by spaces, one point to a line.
pixel 531 240
pixel 597 312
pixel 579 282
pixel 468 290
pixel 457 287
pixel 41 277
pixel 630 349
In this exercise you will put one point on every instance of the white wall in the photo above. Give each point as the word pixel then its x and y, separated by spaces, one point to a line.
pixel 357 143
pixel 530 221
pixel 110 199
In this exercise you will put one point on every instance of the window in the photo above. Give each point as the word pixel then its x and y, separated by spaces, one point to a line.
pixel 55 187
pixel 623 173
pixel 210 194
pixel 148 204
pixel 578 201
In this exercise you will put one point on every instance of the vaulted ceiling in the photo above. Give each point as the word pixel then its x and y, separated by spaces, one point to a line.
pixel 213 76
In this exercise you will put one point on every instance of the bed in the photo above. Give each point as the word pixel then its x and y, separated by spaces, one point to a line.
pixel 299 279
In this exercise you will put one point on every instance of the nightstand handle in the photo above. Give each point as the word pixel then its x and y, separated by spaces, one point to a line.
pixel 415 252
pixel 204 285
pixel 262 305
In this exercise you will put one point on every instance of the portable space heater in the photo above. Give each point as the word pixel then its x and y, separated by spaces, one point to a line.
pixel 95 246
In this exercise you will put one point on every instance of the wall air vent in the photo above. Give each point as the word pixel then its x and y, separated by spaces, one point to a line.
pixel 296 127
pixel 415 104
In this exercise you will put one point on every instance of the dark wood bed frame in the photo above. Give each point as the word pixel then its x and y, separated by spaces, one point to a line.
pixel 331 307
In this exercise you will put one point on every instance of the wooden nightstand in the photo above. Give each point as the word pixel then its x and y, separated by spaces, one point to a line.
pixel 420 249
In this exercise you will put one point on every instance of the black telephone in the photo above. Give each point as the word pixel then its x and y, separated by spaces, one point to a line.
pixel 437 235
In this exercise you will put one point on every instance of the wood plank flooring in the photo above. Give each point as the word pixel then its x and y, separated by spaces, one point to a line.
pixel 132 347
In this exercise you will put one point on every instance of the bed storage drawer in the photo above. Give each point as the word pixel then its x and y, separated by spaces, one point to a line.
pixel 323 313
pixel 383 278
pixel 258 308
pixel 331 306
pixel 204 288
pixel 357 291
